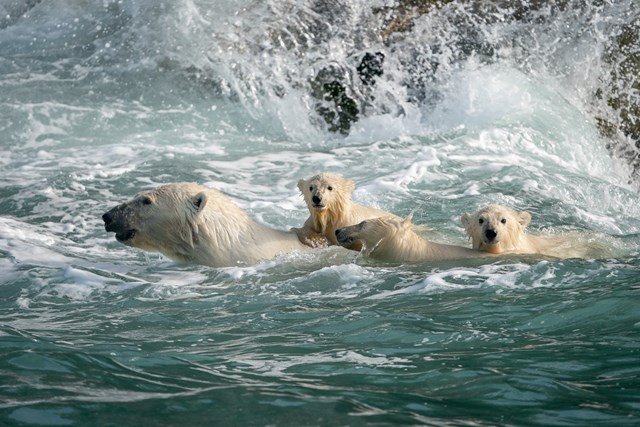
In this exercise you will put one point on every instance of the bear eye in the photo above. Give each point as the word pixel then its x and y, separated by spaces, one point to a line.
pixel 330 188
pixel 146 200
pixel 503 220
pixel 481 221
pixel 311 188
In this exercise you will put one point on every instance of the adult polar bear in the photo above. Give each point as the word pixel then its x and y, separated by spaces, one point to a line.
pixel 191 223
pixel 328 198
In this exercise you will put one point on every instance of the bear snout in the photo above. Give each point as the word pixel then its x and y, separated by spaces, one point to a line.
pixel 114 219
pixel 316 199
pixel 343 237
pixel 490 234
pixel 115 222
pixel 107 217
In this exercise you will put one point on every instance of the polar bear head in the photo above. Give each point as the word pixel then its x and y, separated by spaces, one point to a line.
pixel 495 228
pixel 172 219
pixel 326 192
pixel 385 238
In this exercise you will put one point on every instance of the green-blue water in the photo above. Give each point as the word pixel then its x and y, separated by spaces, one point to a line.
pixel 99 100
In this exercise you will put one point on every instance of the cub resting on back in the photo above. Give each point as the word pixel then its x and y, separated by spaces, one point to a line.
pixel 328 198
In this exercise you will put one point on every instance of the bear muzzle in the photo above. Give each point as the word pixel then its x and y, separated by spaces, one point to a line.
pixel 345 238
pixel 317 202
pixel 490 235
pixel 114 222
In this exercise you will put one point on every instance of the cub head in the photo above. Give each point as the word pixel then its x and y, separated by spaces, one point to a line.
pixel 326 192
pixel 164 219
pixel 495 228
pixel 379 237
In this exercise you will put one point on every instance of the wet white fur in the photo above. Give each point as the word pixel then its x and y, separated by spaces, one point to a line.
pixel 512 237
pixel 339 210
pixel 396 240
pixel 191 223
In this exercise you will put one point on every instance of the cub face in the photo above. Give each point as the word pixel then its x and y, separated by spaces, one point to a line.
pixel 325 191
pixel 495 227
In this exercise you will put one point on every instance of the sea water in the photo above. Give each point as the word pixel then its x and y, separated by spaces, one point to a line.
pixel 102 99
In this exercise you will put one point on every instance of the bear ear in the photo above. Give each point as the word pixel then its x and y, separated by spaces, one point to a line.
pixel 200 201
pixel 349 186
pixel 302 184
pixel 524 218
pixel 407 221
pixel 465 219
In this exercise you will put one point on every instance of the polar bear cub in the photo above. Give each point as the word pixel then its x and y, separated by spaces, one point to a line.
pixel 328 198
pixel 499 229
pixel 396 240
pixel 191 223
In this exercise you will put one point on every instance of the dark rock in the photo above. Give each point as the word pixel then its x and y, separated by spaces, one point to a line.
pixel 619 91
pixel 337 106
pixel 370 67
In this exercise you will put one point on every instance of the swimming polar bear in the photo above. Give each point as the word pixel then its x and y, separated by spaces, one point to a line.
pixel 498 229
pixel 396 240
pixel 191 223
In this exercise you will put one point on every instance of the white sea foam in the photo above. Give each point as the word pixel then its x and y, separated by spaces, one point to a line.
pixel 531 123
pixel 27 244
pixel 279 367
pixel 503 276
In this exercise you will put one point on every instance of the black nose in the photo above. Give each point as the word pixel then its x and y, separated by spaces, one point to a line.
pixel 491 234
pixel 107 218
pixel 316 199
